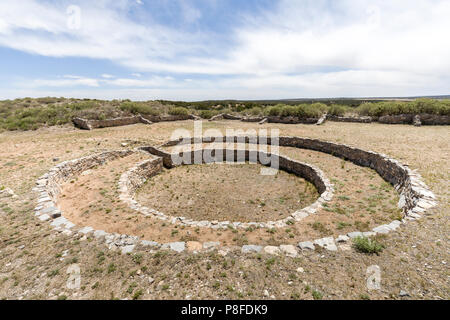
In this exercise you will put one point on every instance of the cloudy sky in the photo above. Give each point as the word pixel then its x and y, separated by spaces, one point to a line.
pixel 219 49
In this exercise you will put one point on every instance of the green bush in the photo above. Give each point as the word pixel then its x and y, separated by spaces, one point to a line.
pixel 378 109
pixel 274 111
pixel 139 107
pixel 338 110
pixel 256 111
pixel 178 111
pixel 208 114
pixel 366 245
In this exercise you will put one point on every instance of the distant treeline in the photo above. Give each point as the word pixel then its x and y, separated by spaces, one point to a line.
pixel 30 114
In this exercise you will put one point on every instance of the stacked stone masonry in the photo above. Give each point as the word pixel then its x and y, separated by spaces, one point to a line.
pixel 415 197
pixel 134 178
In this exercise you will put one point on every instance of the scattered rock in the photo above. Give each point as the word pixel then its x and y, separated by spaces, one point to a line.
pixel 272 250
pixel 342 238
pixel 127 249
pixel 403 293
pixel 306 245
pixel 177 246
pixel 300 270
pixel 327 243
pixel 289 250
pixel 251 248
pixel 211 245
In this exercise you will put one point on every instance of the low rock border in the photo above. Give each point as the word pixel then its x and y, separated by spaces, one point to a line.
pixel 134 178
pixel 415 198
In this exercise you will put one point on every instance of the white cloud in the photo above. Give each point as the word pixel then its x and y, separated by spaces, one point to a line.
pixel 303 48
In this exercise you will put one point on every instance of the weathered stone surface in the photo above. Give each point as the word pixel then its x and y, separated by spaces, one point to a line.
pixel 369 234
pixel 383 229
pixel 272 250
pixel 127 249
pixel 177 246
pixel 147 243
pixel 86 230
pixel 306 245
pixel 44 217
pixel 354 234
pixel 211 245
pixel 99 233
pixel 342 238
pixel 289 250
pixel 251 248
pixel 59 222
pixel 327 243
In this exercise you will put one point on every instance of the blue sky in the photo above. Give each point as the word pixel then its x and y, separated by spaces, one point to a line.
pixel 218 49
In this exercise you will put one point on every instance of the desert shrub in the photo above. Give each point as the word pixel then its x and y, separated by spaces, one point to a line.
pixel 366 245
pixel 83 105
pixel 256 111
pixel 178 111
pixel 338 110
pixel 431 106
pixel 208 114
pixel 274 111
pixel 418 106
pixel 288 111
pixel 47 100
pixel 139 107
pixel 226 111
pixel 310 110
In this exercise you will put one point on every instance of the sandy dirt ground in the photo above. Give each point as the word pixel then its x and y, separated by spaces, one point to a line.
pixel 34 259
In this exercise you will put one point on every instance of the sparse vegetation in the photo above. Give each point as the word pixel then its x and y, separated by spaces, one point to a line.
pixel 367 245
pixel 31 114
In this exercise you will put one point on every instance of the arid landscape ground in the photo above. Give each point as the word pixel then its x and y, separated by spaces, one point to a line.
pixel 34 259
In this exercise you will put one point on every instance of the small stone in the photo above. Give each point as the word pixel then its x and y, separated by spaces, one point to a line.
pixel 147 243
pixel 266 293
pixel 300 270
pixel 177 246
pixel 251 248
pixel 327 243
pixel 342 238
pixel 150 280
pixel 99 233
pixel 383 229
pixel 223 252
pixel 355 234
pixel 211 245
pixel 289 250
pixel 306 245
pixel 272 250
pixel 44 217
pixel 127 249
pixel 404 293
pixel 86 230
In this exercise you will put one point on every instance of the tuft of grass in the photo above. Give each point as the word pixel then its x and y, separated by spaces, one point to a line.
pixel 317 295
pixel 366 245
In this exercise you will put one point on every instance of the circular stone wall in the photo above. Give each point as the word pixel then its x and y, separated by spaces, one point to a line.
pixel 138 175
pixel 415 197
